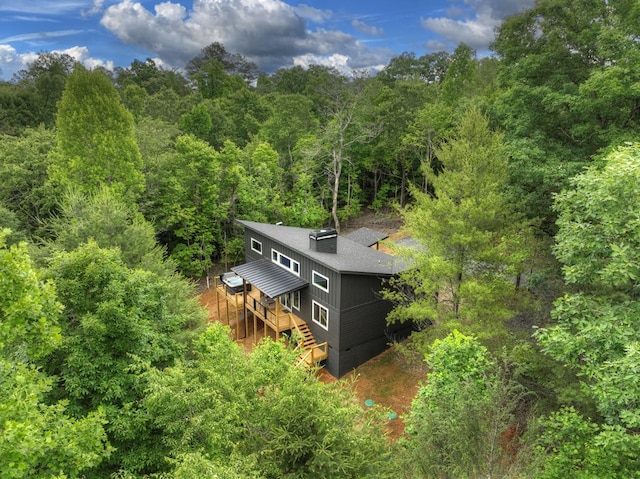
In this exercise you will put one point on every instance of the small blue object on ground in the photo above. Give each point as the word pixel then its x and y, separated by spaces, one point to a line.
pixel 393 415
pixel 369 402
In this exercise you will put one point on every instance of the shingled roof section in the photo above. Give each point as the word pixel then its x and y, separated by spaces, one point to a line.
pixel 269 278
pixel 351 256
pixel 366 236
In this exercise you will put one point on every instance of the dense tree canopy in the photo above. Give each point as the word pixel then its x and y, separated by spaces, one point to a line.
pixel 103 173
pixel 468 235
pixel 37 439
pixel 597 331
pixel 272 419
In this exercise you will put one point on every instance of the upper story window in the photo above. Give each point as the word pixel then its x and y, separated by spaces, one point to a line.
pixel 256 246
pixel 320 281
pixel 285 262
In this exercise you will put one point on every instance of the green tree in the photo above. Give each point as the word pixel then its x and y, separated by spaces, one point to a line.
pixel 17 108
pixel 303 204
pixel 347 123
pixel 260 190
pixel 156 140
pixel 462 421
pixel 458 79
pixel 191 208
pixel 237 116
pixel 36 439
pixel 151 78
pixel 197 122
pixel 429 68
pixel 116 322
pixel 569 89
pixel 597 331
pixel 46 77
pixel 134 97
pixel 290 119
pixel 95 143
pixel 263 412
pixel 395 160
pixel 23 178
pixel 232 64
pixel 106 219
pixel 470 241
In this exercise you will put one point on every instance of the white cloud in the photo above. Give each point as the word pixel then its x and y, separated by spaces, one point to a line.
pixel 11 61
pixel 367 29
pixel 313 14
pixel 7 54
pixel 39 36
pixel 95 8
pixel 476 33
pixel 270 33
pixel 473 22
pixel 44 7
pixel 81 54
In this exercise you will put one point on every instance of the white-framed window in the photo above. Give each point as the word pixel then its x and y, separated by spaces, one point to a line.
pixel 320 281
pixel 256 246
pixel 320 315
pixel 291 300
pixel 285 262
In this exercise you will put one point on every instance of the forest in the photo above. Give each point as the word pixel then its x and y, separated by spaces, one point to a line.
pixel 517 174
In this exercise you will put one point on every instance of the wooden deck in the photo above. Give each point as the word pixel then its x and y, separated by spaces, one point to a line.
pixel 242 306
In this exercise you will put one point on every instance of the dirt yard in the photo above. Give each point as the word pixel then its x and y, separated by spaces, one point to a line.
pixel 387 379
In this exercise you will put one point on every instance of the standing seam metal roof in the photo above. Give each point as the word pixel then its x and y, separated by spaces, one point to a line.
pixel 269 278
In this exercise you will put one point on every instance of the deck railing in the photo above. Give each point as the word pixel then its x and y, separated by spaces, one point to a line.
pixel 273 314
pixel 314 354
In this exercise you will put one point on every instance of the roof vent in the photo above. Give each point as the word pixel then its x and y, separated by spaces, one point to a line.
pixel 324 240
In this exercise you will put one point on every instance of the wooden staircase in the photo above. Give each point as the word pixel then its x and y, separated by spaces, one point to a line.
pixel 311 352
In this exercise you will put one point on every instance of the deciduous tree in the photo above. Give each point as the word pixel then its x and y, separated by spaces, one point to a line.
pixel 23 178
pixel 37 439
pixel 271 418
pixel 116 322
pixel 462 421
pixel 597 330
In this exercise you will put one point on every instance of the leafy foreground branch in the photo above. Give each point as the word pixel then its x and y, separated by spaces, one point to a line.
pixel 261 414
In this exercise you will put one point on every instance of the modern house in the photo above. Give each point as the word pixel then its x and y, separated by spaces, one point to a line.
pixel 322 285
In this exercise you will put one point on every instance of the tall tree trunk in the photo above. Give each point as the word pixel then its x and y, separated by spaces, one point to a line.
pixel 337 172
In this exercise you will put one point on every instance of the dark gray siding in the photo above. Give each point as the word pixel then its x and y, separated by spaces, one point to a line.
pixel 358 289
pixel 364 334
pixel 329 300
pixel 357 315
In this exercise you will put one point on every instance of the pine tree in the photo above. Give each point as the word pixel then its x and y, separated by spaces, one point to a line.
pixel 95 138
pixel 470 241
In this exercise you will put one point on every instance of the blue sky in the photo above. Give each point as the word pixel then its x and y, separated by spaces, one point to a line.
pixel 345 34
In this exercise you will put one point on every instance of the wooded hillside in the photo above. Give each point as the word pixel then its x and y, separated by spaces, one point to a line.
pixel 518 175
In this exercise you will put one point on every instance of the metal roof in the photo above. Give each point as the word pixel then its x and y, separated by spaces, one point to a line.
pixel 351 256
pixel 269 278
pixel 366 236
